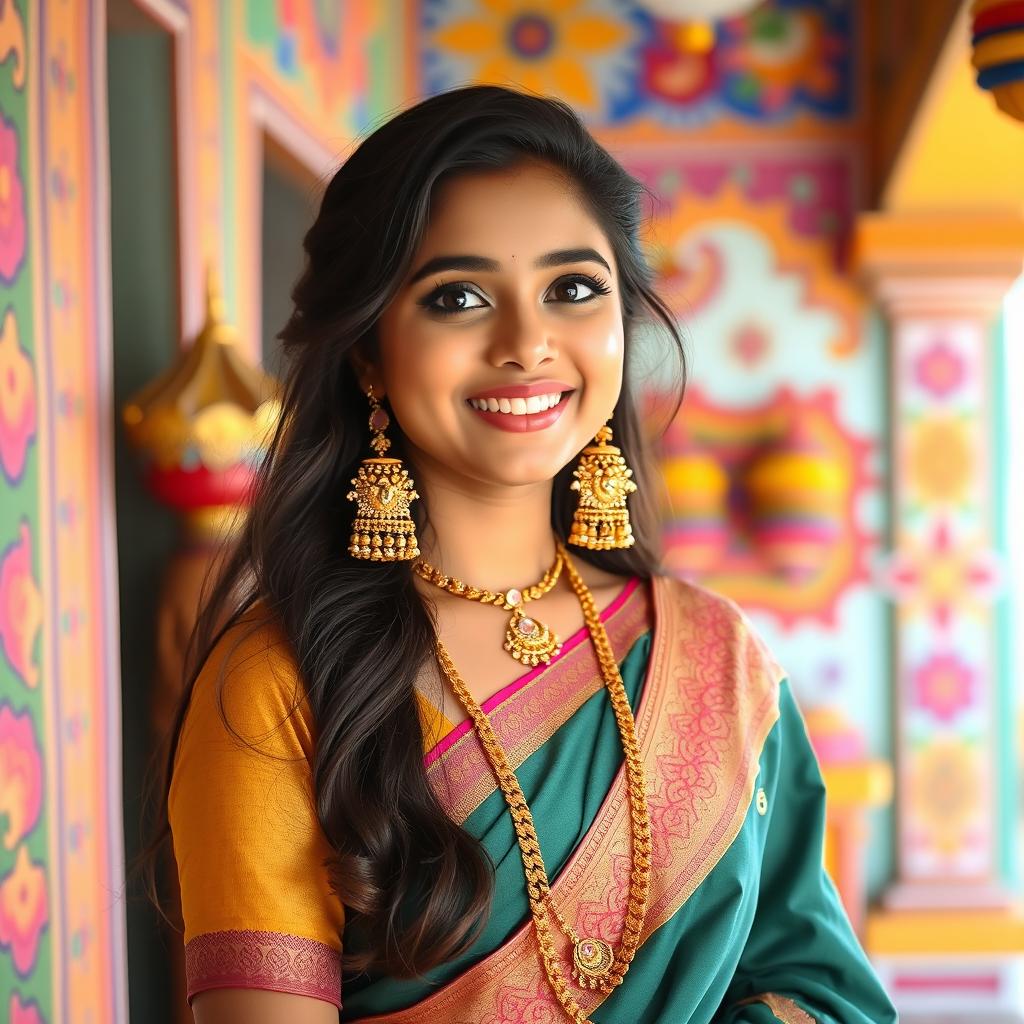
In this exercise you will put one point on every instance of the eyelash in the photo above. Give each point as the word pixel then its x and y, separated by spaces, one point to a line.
pixel 596 284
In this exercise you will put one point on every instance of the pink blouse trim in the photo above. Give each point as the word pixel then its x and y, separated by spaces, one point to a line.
pixel 499 698
pixel 248 958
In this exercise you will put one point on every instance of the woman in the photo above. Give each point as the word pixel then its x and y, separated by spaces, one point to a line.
pixel 396 793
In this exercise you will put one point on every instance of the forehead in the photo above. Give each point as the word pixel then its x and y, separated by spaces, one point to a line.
pixel 512 212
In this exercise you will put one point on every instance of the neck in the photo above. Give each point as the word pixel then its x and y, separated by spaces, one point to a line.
pixel 490 537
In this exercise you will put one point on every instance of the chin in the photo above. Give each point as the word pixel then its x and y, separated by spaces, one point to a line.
pixel 515 474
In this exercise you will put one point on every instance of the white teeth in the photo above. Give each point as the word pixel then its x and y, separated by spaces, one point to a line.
pixel 517 406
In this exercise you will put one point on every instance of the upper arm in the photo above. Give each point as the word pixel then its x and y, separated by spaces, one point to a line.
pixel 259 1006
pixel 262 925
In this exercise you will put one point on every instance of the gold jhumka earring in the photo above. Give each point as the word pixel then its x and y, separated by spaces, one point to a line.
pixel 383 530
pixel 604 481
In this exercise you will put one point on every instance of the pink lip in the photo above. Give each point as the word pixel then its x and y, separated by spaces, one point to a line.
pixel 540 387
pixel 522 424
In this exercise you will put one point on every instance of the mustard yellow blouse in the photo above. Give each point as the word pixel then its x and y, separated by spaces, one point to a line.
pixel 258 910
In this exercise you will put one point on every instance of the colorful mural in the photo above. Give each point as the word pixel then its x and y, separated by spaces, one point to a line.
pixel 944 575
pixel 779 478
pixel 618 64
pixel 778 529
pixel 26 933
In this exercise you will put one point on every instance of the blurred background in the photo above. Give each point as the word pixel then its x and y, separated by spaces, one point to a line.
pixel 837 217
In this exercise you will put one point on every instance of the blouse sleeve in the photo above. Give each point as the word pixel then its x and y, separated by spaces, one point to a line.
pixel 801 963
pixel 257 906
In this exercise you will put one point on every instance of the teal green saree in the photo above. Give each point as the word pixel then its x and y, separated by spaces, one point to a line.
pixel 743 925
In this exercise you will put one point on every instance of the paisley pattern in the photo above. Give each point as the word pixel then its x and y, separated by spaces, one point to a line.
pixel 258 959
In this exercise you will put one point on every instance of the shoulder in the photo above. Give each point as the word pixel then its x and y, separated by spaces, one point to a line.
pixel 249 690
pixel 715 629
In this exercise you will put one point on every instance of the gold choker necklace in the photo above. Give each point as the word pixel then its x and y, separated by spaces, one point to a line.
pixel 595 965
pixel 527 639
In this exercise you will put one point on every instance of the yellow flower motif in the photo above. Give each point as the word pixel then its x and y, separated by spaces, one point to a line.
pixel 947 791
pixel 941 460
pixel 542 48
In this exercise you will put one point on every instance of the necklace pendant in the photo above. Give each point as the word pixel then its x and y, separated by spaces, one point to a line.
pixel 592 960
pixel 528 640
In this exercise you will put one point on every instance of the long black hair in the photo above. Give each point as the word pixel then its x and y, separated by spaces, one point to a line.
pixel 360 631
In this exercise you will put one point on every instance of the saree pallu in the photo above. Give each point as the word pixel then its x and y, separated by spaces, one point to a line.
pixel 743 925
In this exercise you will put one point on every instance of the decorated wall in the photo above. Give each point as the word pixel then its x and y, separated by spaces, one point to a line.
pixel 836 466
pixel 61 852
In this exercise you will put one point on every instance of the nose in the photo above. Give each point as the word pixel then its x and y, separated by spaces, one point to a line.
pixel 521 338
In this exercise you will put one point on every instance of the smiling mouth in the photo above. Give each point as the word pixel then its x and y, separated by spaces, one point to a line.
pixel 519 406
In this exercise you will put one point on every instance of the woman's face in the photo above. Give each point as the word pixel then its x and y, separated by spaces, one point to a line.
pixel 512 302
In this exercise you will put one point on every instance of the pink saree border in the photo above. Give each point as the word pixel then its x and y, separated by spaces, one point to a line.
pixel 496 699
pixel 709 702
pixel 251 958
pixel 527 713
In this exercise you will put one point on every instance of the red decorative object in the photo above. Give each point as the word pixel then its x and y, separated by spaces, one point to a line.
pixel 997 38
pixel 204 424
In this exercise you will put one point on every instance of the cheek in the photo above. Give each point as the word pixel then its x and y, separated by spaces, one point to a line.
pixel 601 360
pixel 421 370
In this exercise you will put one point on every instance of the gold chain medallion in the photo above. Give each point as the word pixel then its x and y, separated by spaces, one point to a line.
pixel 592 960
pixel 528 639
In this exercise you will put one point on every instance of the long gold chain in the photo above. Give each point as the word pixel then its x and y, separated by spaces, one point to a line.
pixel 594 966
pixel 527 639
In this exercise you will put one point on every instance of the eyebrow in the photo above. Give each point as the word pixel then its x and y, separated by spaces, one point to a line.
pixel 482 264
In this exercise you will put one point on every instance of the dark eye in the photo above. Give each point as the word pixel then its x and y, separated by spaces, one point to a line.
pixel 453 298
pixel 577 290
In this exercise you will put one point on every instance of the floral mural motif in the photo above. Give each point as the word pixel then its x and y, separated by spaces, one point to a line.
pixel 12 42
pixel 942 577
pixel 21 775
pixel 17 399
pixel 24 910
pixel 678 65
pixel 763 66
pixel 24 1013
pixel 12 203
pixel 619 63
pixel 947 791
pixel 783 55
pixel 945 685
pixel 581 51
pixel 320 46
pixel 940 370
pixel 940 459
pixel 21 608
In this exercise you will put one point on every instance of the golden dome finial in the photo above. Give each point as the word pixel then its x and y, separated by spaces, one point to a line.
pixel 216 327
pixel 211 408
pixel 216 312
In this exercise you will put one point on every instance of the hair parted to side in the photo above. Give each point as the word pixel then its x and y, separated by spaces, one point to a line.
pixel 416 884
